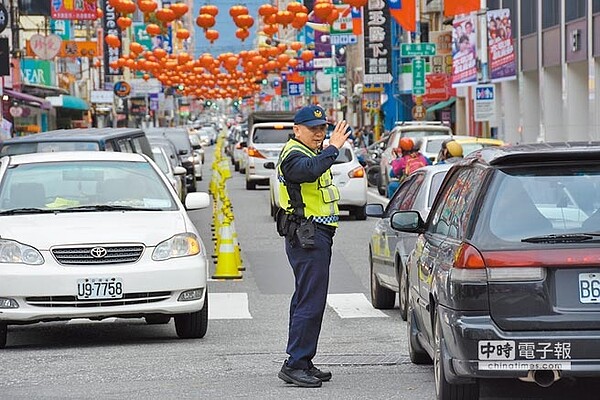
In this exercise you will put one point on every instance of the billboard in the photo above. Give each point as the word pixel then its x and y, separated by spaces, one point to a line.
pixel 502 62
pixel 464 50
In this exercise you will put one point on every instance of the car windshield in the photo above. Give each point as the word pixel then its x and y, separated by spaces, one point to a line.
pixel 47 147
pixel 434 146
pixel 545 201
pixel 272 135
pixel 61 186
pixel 416 133
pixel 160 160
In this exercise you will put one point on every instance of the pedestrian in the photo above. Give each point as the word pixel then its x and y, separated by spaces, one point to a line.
pixel 308 220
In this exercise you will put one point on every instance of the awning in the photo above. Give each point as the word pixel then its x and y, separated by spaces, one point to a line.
pixel 442 104
pixel 36 101
pixel 67 101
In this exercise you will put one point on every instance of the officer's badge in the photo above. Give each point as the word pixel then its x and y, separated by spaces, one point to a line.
pixel 318 114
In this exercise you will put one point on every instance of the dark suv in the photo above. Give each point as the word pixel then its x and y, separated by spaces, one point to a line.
pixel 505 275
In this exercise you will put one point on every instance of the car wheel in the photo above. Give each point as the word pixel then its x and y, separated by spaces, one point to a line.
pixel 381 298
pixel 242 170
pixel 273 209
pixel 443 389
pixel 380 185
pixel 417 354
pixel 360 213
pixel 3 335
pixel 250 185
pixel 403 291
pixel 236 166
pixel 193 325
pixel 157 319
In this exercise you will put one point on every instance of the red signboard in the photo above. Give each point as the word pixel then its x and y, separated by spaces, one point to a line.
pixel 74 9
pixel 438 87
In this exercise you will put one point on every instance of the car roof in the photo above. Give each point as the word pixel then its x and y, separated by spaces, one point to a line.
pixel 80 134
pixel 536 153
pixel 432 169
pixel 473 139
pixel 33 158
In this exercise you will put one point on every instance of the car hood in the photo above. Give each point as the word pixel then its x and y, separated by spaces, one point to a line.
pixel 43 231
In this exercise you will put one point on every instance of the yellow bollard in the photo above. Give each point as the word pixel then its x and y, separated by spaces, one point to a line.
pixel 226 264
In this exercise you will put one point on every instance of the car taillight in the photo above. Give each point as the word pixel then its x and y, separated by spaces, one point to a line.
pixel 358 172
pixel 468 266
pixel 238 146
pixel 252 152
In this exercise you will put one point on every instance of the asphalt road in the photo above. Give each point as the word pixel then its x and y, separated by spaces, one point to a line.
pixel 366 349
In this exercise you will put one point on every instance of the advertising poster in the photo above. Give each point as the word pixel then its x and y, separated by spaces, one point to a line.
pixel 464 50
pixel 502 62
pixel 74 9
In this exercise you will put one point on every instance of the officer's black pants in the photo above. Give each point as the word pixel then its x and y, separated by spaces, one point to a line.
pixel 311 272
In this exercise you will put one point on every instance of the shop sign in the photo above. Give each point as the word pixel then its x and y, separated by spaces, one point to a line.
pixel 122 89
pixel 74 9
pixel 44 47
pixel 101 97
pixel 377 42
pixel 110 27
pixel 38 72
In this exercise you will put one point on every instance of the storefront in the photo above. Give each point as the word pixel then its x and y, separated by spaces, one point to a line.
pixel 28 114
pixel 71 112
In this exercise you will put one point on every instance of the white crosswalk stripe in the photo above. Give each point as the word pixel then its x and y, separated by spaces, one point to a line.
pixel 353 305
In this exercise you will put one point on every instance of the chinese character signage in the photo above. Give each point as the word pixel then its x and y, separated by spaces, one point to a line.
pixel 109 24
pixel 464 53
pixel 377 42
pixel 502 64
pixel 74 9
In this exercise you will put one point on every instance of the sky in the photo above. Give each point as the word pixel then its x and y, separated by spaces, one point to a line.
pixel 227 41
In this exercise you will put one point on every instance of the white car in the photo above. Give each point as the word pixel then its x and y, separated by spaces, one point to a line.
pixel 349 177
pixel 98 235
pixel 175 175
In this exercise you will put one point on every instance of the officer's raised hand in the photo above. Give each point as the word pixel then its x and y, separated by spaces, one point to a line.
pixel 340 134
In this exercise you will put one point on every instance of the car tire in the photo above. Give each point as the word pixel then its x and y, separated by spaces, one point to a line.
pixel 417 354
pixel 3 335
pixel 273 210
pixel 193 325
pixel 403 286
pixel 381 298
pixel 250 185
pixel 443 389
pixel 236 166
pixel 157 319
pixel 242 170
pixel 360 213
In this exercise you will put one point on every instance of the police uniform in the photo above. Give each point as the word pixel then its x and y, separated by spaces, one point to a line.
pixel 307 192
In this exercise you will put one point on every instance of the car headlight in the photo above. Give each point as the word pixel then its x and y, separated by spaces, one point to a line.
pixel 182 245
pixel 12 252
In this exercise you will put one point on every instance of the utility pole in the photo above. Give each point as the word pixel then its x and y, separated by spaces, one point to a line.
pixel 16 44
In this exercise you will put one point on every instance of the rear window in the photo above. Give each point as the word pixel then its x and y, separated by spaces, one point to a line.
pixel 541 201
pixel 423 133
pixel 180 140
pixel 272 135
pixel 344 156
pixel 434 146
pixel 436 182
pixel 47 147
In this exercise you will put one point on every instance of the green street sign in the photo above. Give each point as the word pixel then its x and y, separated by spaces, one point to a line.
pixel 417 49
pixel 418 76
pixel 335 87
pixel 307 86
pixel 334 70
pixel 306 73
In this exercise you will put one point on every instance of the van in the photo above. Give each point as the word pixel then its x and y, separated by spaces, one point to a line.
pixel 124 140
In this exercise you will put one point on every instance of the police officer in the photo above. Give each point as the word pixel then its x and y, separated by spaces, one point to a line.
pixel 309 200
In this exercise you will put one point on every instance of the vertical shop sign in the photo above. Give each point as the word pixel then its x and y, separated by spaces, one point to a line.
pixel 464 52
pixel 109 24
pixel 377 42
pixel 502 63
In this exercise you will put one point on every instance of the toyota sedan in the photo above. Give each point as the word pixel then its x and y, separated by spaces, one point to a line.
pixel 98 235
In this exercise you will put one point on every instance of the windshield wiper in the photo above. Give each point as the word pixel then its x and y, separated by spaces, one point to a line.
pixel 562 238
pixel 26 210
pixel 106 207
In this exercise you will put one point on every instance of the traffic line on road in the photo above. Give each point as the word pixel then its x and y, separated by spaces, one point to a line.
pixel 353 305
pixel 228 306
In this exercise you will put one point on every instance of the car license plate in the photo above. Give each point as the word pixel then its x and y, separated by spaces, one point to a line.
pixel 99 288
pixel 589 288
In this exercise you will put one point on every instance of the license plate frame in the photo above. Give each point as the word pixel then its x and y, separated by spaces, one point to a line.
pixel 99 288
pixel 589 288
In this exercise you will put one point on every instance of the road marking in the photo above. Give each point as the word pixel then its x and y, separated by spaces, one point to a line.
pixel 228 306
pixel 353 305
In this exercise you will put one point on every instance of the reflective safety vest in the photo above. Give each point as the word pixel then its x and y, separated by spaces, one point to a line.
pixel 316 199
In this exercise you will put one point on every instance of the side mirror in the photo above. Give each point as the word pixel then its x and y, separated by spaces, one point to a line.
pixel 197 200
pixel 178 171
pixel 374 210
pixel 407 221
pixel 269 165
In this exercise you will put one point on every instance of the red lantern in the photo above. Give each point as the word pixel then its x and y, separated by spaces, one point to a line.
pixel 242 34
pixel 300 20
pixel 284 18
pixel 296 46
pixel 153 29
pixel 235 11
pixel 243 21
pixel 205 21
pixel 124 22
pixel 112 41
pixel 267 9
pixel 180 9
pixel 356 3
pixel 165 15
pixel 322 10
pixel 136 48
pixel 147 6
pixel 307 55
pixel 295 7
pixel 182 34
pixel 211 35
pixel 335 14
pixel 209 9
pixel 270 30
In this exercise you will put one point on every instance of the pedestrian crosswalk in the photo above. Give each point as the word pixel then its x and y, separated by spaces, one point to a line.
pixel 235 305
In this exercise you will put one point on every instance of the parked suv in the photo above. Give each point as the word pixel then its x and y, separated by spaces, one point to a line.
pixel 505 275
pixel 417 130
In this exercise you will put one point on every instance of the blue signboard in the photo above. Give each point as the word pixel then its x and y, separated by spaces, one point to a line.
pixel 295 89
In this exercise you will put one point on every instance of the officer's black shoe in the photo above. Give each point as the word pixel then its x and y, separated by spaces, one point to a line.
pixel 299 377
pixel 323 376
